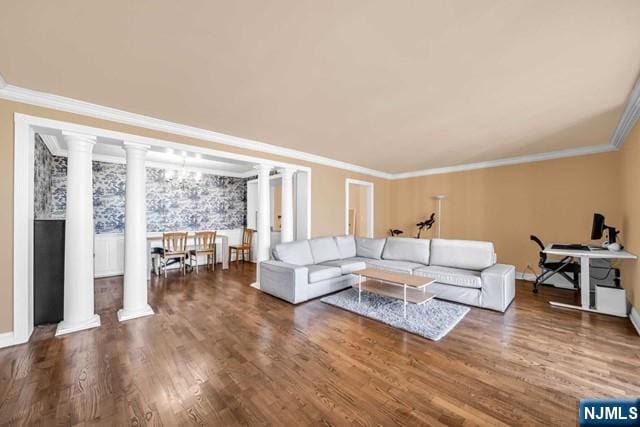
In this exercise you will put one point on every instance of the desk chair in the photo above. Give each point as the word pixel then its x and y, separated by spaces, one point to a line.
pixel 565 267
pixel 205 244
pixel 247 237
pixel 174 246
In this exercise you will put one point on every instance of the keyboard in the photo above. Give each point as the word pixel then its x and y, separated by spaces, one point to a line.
pixel 571 247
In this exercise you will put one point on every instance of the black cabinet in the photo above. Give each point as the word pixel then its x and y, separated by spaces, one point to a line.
pixel 48 271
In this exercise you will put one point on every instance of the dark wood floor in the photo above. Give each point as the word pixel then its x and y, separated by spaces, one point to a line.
pixel 220 352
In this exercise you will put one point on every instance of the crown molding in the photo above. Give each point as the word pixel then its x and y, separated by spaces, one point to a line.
pixel 42 99
pixel 570 152
pixel 51 142
pixel 629 117
pixel 3 82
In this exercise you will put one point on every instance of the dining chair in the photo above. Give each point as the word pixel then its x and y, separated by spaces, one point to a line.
pixel 245 246
pixel 205 244
pixel 174 246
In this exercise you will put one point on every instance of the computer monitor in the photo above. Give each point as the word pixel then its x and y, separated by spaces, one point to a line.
pixel 598 227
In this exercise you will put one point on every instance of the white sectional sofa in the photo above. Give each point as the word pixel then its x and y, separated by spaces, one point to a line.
pixel 465 271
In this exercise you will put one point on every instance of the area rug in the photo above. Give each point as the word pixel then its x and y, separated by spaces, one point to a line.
pixel 433 320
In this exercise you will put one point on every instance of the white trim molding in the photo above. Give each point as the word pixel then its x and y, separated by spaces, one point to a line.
pixel 628 119
pixel 370 205
pixel 529 158
pixel 47 100
pixel 51 142
pixel 634 316
pixel 43 99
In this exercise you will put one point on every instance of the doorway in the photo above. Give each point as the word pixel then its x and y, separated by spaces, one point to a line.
pixel 359 208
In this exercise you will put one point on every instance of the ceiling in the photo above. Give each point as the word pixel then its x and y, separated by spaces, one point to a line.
pixel 394 86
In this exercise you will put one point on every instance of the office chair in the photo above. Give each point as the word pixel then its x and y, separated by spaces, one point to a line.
pixel 565 267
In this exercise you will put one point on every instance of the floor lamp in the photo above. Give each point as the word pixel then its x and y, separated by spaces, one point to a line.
pixel 439 198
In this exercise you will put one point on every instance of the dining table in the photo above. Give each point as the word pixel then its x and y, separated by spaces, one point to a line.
pixel 155 237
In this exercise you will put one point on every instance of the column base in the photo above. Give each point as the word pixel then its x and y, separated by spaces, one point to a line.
pixel 124 315
pixel 65 327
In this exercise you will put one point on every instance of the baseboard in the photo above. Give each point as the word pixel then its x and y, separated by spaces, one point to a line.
pixel 530 277
pixel 7 339
pixel 105 274
pixel 634 316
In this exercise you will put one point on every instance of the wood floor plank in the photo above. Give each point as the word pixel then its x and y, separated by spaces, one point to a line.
pixel 218 352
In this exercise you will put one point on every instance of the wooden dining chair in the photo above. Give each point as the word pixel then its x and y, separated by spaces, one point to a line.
pixel 174 246
pixel 205 244
pixel 245 246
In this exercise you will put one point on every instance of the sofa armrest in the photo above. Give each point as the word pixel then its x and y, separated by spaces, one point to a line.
pixel 283 280
pixel 498 286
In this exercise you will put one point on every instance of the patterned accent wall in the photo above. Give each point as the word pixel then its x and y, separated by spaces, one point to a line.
pixel 42 185
pixel 212 203
pixel 59 187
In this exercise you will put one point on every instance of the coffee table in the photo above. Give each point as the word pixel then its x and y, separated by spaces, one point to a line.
pixel 406 287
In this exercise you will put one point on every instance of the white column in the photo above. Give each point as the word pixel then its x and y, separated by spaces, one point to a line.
pixel 79 310
pixel 134 294
pixel 286 233
pixel 264 210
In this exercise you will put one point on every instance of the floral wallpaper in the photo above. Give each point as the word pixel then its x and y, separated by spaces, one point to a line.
pixel 43 176
pixel 212 202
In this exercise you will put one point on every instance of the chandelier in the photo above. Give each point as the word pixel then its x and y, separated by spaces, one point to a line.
pixel 181 175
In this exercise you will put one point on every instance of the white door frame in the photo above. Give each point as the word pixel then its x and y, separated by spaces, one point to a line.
pixel 370 206
pixel 25 127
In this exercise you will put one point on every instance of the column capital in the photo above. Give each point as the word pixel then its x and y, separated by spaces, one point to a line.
pixel 79 141
pixel 135 146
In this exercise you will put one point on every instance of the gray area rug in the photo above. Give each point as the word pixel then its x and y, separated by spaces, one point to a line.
pixel 433 320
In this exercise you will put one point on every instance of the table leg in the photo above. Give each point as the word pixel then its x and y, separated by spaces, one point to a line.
pixel 359 288
pixel 585 283
pixel 148 260
pixel 225 252
pixel 404 300
pixel 585 290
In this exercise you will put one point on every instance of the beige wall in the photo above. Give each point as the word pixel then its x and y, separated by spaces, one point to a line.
pixel 629 164
pixel 327 188
pixel 553 199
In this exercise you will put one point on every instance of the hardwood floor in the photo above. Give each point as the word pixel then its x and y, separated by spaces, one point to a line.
pixel 219 352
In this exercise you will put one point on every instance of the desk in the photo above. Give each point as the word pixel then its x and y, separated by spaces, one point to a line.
pixel 157 237
pixel 585 277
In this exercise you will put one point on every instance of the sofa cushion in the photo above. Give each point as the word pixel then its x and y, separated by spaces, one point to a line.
pixel 369 248
pixel 451 276
pixel 318 273
pixel 324 249
pixel 467 254
pixel 297 253
pixel 346 246
pixel 407 249
pixel 395 266
pixel 347 266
